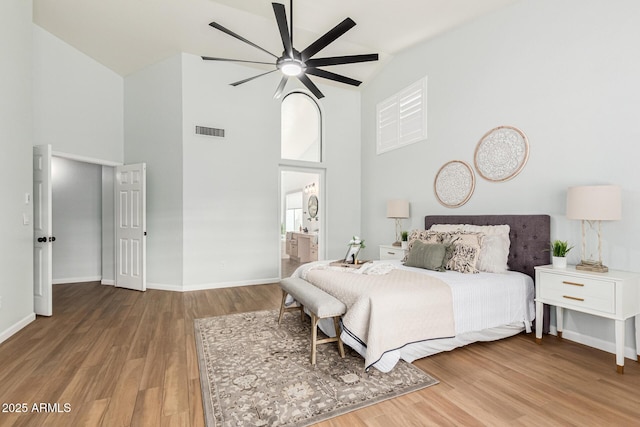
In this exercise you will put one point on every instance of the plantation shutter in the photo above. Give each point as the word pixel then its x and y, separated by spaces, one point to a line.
pixel 402 118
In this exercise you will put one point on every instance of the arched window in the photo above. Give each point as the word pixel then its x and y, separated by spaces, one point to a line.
pixel 301 124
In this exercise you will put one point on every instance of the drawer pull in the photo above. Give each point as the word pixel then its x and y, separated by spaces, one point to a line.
pixel 391 253
pixel 573 298
pixel 572 283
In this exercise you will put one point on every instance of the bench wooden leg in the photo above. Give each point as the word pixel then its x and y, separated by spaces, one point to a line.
pixel 336 325
pixel 284 297
pixel 314 337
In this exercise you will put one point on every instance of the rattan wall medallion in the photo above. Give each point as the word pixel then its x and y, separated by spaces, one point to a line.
pixel 454 183
pixel 501 153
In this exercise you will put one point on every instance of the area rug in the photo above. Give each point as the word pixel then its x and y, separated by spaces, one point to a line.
pixel 254 372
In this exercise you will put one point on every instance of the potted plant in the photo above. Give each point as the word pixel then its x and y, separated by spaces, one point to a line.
pixel 559 250
pixel 405 237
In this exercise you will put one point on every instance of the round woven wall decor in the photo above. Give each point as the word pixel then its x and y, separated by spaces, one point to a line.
pixel 501 153
pixel 454 184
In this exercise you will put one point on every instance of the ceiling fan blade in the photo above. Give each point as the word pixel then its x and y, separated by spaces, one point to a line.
pixel 339 60
pixel 309 84
pixel 251 78
pixel 210 58
pixel 281 18
pixel 332 76
pixel 280 88
pixel 232 34
pixel 326 39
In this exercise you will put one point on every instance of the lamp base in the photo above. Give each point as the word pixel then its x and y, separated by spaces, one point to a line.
pixel 595 266
pixel 396 244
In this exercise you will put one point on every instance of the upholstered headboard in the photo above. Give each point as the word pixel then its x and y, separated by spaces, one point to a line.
pixel 530 236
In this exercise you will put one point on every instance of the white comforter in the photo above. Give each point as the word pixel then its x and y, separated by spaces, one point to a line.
pixel 484 301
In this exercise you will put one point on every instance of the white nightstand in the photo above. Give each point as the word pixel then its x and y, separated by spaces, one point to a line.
pixel 391 252
pixel 614 295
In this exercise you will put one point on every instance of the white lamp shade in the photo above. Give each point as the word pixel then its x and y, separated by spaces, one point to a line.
pixel 398 208
pixel 594 203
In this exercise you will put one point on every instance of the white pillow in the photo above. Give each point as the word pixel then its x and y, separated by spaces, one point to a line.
pixel 494 252
pixel 446 227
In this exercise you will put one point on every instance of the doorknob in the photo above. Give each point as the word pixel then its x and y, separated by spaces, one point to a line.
pixel 52 239
pixel 42 239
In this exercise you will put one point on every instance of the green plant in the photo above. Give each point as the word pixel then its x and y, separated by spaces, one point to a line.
pixel 405 236
pixel 560 248
pixel 356 241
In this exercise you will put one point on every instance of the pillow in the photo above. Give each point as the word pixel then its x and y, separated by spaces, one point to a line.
pixel 426 236
pixel 427 255
pixel 465 253
pixel 494 250
pixel 446 227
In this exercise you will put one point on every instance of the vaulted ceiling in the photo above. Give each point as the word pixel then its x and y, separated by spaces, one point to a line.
pixel 128 35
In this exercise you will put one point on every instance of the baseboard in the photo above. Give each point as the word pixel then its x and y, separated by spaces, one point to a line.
pixel 77 280
pixel 220 285
pixel 609 347
pixel 164 287
pixel 9 332
pixel 205 286
pixel 107 282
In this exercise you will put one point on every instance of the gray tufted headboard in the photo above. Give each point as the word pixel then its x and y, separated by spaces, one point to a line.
pixel 530 236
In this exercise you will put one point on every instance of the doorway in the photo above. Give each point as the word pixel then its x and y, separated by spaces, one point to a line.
pixel 82 213
pixel 302 219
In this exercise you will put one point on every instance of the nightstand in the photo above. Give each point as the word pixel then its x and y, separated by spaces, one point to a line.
pixel 613 295
pixel 391 252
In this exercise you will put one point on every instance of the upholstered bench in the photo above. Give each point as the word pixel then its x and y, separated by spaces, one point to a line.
pixel 319 304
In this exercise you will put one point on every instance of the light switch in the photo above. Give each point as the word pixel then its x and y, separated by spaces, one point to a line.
pixel 27 198
pixel 25 219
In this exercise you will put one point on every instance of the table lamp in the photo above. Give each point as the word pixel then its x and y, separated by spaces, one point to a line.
pixel 398 209
pixel 593 204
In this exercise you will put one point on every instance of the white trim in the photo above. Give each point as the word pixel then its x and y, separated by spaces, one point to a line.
pixel 609 347
pixel 16 327
pixel 76 280
pixel 206 286
pixel 85 159
pixel 108 282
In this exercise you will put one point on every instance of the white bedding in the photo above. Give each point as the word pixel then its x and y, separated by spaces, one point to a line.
pixel 486 306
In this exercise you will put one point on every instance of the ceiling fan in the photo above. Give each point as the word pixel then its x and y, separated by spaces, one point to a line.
pixel 294 63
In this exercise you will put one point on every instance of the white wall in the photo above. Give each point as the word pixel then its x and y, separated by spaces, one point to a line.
pixel 77 221
pixel 78 103
pixel 153 134
pixel 231 204
pixel 563 71
pixel 16 134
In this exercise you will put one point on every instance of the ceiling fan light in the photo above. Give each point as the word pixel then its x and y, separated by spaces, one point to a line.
pixel 291 69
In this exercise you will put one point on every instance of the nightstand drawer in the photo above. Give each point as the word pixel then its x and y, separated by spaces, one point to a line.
pixel 578 292
pixel 391 252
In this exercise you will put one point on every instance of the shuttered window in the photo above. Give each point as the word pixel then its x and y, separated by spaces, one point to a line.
pixel 402 118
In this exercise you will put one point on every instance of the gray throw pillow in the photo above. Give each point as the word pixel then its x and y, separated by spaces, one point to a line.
pixel 427 255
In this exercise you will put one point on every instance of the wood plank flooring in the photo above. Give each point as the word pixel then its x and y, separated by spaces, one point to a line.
pixel 126 358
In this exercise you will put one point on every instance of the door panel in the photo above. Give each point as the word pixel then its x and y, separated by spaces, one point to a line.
pixel 42 231
pixel 131 226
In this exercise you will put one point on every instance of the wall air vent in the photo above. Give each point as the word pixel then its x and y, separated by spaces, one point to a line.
pixel 202 130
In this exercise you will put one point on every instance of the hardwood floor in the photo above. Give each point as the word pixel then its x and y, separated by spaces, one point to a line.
pixel 126 358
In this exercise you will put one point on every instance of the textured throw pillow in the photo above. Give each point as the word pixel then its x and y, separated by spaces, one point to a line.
pixel 494 250
pixel 466 251
pixel 427 255
pixel 446 227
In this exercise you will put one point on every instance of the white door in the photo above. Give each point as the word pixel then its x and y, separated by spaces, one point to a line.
pixel 42 231
pixel 131 226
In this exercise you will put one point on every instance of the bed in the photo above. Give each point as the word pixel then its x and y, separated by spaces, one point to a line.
pixel 485 306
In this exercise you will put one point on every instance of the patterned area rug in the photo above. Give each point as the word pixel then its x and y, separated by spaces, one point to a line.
pixel 254 372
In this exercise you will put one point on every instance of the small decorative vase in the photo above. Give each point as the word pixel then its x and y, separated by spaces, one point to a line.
pixel 559 262
pixel 404 244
